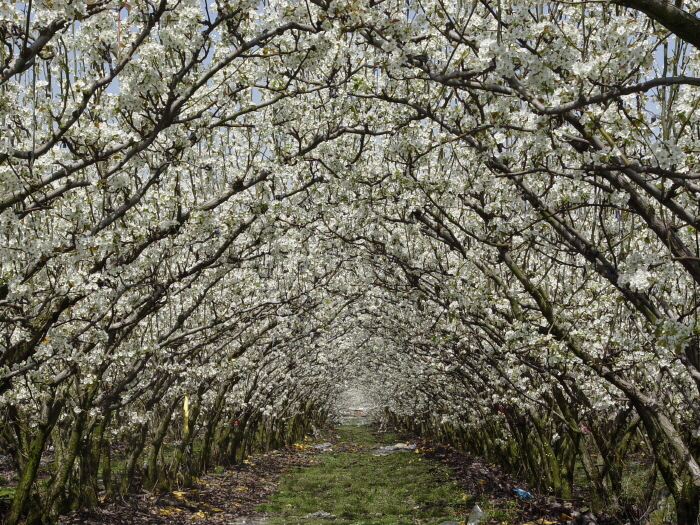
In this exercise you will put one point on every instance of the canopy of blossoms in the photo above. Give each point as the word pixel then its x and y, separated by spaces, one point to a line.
pixel 216 219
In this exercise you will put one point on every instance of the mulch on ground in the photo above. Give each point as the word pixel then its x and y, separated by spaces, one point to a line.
pixel 215 499
pixel 483 479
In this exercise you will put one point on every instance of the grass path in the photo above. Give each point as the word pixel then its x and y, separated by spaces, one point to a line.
pixel 359 488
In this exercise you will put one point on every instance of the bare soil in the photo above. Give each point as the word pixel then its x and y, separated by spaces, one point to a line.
pixel 215 499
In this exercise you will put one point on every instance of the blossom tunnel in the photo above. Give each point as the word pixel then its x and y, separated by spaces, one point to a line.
pixel 217 219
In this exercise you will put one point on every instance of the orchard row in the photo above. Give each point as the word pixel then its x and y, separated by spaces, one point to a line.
pixel 216 219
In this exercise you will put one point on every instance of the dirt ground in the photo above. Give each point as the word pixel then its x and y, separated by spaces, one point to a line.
pixel 215 499
pixel 483 479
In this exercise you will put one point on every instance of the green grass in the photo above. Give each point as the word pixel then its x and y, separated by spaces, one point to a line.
pixel 360 435
pixel 8 492
pixel 363 489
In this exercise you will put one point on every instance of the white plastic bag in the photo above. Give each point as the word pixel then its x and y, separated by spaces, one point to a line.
pixel 475 516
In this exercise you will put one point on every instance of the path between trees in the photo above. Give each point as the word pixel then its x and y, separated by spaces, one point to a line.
pixel 352 474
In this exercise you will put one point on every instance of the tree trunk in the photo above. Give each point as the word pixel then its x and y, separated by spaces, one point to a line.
pixel 31 464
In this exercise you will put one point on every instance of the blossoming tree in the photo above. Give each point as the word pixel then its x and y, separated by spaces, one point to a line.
pixel 213 212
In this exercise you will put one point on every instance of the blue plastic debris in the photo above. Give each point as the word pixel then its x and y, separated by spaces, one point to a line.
pixel 522 493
